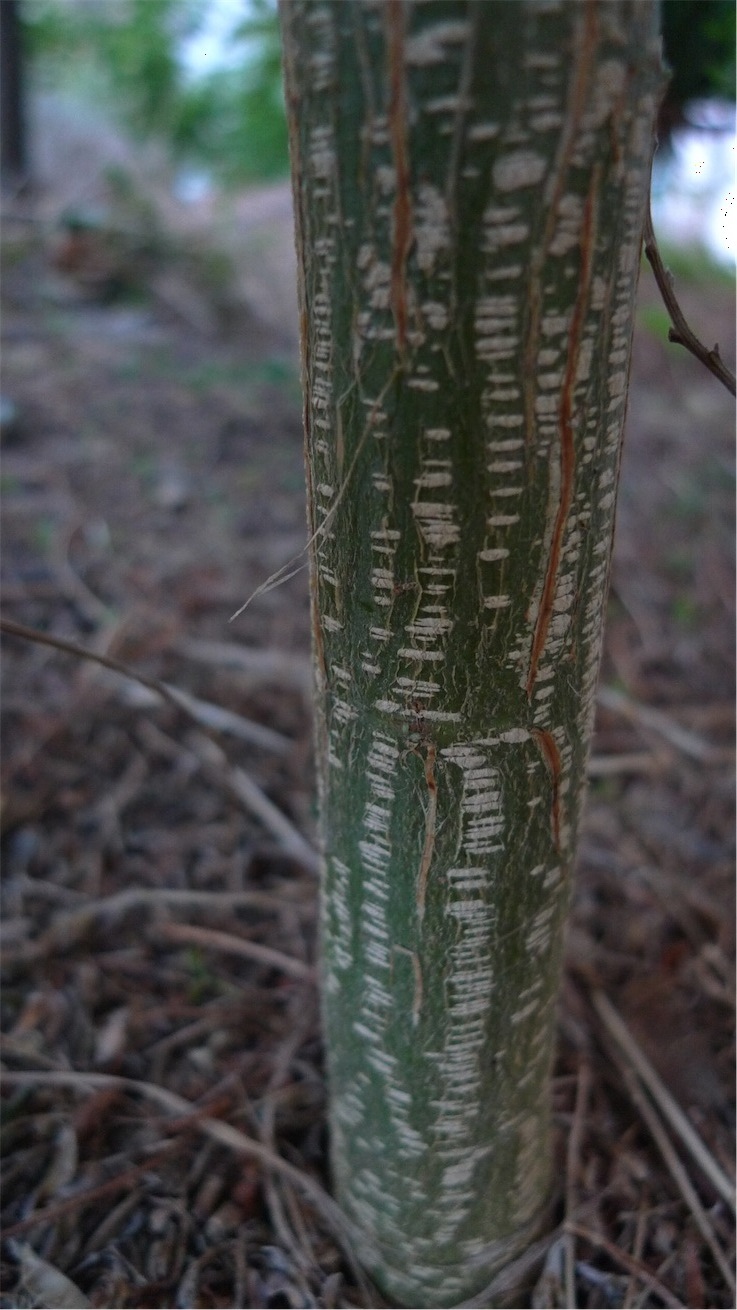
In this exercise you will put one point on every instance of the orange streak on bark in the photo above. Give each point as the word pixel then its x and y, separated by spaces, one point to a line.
pixel 402 215
pixel 418 983
pixel 547 743
pixel 565 429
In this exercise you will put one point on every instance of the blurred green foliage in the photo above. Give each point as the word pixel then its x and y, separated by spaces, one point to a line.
pixel 699 44
pixel 699 47
pixel 126 55
pixel 694 263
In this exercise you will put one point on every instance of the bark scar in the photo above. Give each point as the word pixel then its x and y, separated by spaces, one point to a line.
pixel 417 972
pixel 402 213
pixel 565 430
pixel 551 754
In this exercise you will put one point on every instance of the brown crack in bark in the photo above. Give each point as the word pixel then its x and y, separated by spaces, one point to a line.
pixel 549 750
pixel 565 426
pixel 418 983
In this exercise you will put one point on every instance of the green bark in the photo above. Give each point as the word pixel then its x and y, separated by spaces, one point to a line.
pixel 470 184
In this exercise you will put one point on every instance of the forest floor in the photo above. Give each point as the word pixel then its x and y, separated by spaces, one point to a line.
pixel 163 1120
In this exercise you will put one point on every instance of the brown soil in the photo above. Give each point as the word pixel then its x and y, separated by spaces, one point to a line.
pixel 159 1009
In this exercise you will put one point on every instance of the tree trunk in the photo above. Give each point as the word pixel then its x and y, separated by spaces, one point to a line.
pixel 13 154
pixel 470 183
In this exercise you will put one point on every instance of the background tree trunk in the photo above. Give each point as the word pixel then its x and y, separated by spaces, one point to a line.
pixel 470 184
pixel 13 152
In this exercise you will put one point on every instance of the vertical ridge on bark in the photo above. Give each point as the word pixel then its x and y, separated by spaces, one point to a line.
pixel 470 182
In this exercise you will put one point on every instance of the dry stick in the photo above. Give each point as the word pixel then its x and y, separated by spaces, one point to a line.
pixel 573 1156
pixel 292 1233
pixel 155 896
pixel 629 1263
pixel 239 784
pixel 629 1302
pixel 211 939
pixel 253 798
pixel 674 1167
pixel 257 662
pixel 681 333
pixel 666 1103
pixel 248 794
pixel 123 1181
pixel 289 838
pixel 641 763
pixel 221 1132
pixel 200 712
pixel 689 743
pixel 186 1035
pixel 209 715
pixel 69 929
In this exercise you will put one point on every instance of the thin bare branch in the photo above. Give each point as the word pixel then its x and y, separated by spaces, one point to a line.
pixel 681 333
